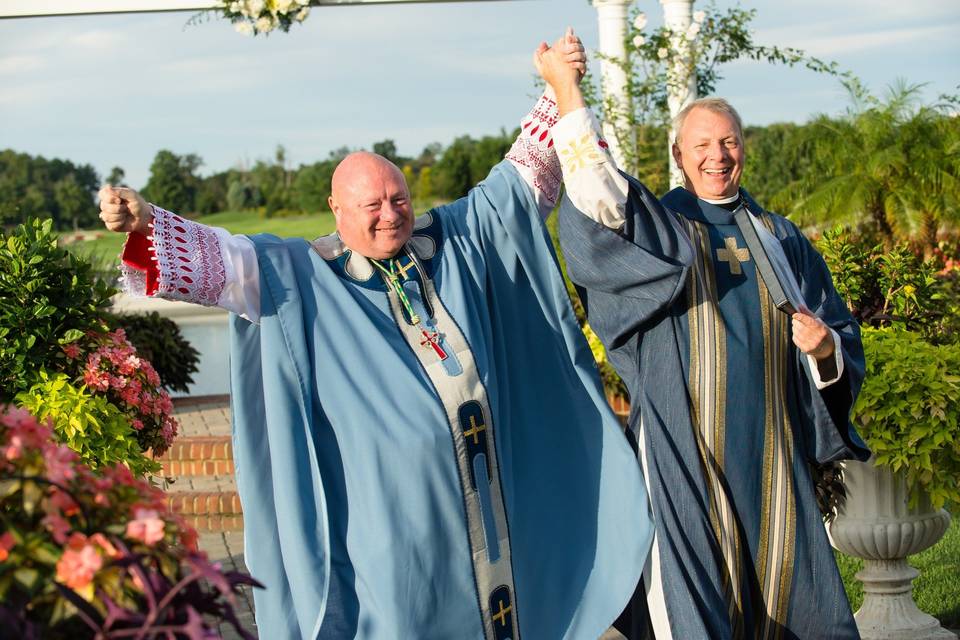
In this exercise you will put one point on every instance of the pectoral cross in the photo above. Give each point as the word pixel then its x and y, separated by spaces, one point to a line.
pixel 501 616
pixel 402 269
pixel 733 255
pixel 475 430
pixel 431 340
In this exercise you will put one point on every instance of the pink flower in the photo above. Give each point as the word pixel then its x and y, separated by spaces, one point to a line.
pixel 6 543
pixel 72 350
pixel 14 448
pixel 79 563
pixel 137 424
pixel 130 365
pixel 61 501
pixel 59 461
pixel 95 379
pixel 146 526
pixel 57 526
pixel 101 540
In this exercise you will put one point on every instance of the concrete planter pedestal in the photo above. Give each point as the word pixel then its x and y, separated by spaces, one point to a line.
pixel 877 524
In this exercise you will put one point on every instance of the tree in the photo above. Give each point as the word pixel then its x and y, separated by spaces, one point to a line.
pixel 173 181
pixel 115 177
pixel 74 202
pixel 887 164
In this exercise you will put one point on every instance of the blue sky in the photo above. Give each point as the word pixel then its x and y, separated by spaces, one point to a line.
pixel 113 89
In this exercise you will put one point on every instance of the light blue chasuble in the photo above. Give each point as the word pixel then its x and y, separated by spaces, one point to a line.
pixel 457 478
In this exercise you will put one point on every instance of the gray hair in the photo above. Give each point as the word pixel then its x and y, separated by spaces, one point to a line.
pixel 717 105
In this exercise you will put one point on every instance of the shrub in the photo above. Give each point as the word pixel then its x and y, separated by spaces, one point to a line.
pixel 89 424
pixel 159 341
pixel 48 299
pixel 95 554
pixel 909 409
pixel 108 364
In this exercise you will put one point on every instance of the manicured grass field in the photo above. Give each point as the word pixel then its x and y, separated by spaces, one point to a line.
pixel 936 591
pixel 310 226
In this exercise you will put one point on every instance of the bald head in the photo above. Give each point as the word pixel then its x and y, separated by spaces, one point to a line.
pixel 371 202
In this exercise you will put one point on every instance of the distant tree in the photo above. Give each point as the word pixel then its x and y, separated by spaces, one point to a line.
pixel 116 176
pixel 428 156
pixel 173 182
pixel 237 195
pixel 312 185
pixel 423 189
pixel 387 149
pixel 74 202
pixel 889 164
pixel 212 194
pixel 777 155
pixel 453 168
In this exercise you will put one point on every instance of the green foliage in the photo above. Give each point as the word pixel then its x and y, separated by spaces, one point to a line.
pixel 890 166
pixel 173 182
pixel 37 187
pixel 468 161
pixel 89 424
pixel 894 287
pixel 909 408
pixel 48 298
pixel 159 340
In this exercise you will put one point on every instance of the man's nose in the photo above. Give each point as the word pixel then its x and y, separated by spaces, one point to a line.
pixel 390 211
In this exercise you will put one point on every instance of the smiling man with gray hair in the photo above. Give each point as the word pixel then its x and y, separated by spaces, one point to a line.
pixel 742 364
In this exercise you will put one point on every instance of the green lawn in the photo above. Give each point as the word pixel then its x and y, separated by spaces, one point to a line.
pixel 936 591
pixel 310 226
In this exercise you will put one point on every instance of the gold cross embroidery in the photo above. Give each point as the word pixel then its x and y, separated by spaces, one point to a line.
pixel 501 616
pixel 733 255
pixel 402 270
pixel 475 430
pixel 580 153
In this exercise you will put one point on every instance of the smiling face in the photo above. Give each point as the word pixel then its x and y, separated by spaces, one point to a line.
pixel 371 202
pixel 709 150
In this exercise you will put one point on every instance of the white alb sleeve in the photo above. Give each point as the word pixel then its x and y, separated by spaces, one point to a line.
pixel 593 183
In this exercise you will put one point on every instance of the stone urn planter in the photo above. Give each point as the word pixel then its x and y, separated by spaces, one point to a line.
pixel 877 524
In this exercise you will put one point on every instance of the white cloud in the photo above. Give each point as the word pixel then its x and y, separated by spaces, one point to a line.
pixel 815 43
pixel 18 64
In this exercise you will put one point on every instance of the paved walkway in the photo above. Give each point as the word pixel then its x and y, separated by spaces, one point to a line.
pixel 211 417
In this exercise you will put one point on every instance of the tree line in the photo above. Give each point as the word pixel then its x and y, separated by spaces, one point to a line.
pixel 891 166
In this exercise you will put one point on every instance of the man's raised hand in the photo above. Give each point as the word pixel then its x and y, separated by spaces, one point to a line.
pixel 563 62
pixel 562 66
pixel 124 210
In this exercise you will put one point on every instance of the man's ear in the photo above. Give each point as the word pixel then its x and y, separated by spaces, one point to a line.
pixel 676 155
pixel 333 206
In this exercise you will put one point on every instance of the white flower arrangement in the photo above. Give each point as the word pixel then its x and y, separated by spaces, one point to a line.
pixel 251 17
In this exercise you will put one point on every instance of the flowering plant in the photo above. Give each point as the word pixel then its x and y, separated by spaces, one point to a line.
pixel 88 554
pixel 109 364
pixel 251 17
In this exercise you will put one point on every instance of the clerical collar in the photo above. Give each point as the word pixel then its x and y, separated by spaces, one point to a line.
pixel 730 204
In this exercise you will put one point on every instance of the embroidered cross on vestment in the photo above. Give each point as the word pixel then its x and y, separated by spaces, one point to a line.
pixel 733 255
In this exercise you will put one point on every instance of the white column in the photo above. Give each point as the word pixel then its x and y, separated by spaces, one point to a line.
pixel 682 79
pixel 612 26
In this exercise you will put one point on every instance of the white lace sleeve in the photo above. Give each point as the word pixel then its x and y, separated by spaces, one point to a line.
pixel 188 261
pixel 593 184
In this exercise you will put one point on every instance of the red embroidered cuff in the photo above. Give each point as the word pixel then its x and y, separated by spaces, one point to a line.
pixel 139 273
pixel 534 148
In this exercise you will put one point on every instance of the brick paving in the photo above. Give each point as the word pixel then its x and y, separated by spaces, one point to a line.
pixel 204 490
